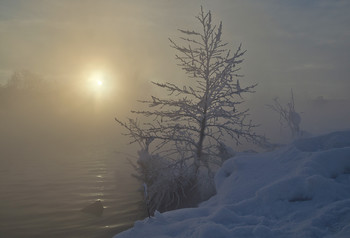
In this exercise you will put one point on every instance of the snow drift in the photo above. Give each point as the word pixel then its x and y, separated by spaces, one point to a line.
pixel 300 190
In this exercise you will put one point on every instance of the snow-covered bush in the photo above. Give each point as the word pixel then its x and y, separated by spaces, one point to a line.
pixel 164 181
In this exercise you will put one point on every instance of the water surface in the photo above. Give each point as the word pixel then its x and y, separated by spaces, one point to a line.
pixel 43 191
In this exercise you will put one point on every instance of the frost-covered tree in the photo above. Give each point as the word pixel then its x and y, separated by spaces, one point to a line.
pixel 187 130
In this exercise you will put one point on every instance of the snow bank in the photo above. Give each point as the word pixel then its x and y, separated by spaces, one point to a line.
pixel 301 190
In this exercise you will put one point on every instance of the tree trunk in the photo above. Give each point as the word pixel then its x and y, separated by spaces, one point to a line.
pixel 203 125
pixel 200 144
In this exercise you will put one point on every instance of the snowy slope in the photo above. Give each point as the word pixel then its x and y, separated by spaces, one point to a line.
pixel 301 190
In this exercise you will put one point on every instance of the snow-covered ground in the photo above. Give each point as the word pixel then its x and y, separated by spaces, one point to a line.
pixel 300 190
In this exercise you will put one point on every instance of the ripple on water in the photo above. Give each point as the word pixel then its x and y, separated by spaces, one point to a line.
pixel 43 197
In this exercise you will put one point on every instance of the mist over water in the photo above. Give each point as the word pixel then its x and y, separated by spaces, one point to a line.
pixel 56 158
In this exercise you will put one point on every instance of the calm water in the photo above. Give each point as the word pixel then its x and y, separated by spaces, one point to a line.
pixel 41 193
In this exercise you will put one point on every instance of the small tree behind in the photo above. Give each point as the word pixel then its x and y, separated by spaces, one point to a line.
pixel 188 128
pixel 288 116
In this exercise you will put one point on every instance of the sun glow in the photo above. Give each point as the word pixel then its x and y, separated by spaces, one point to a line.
pixel 99 83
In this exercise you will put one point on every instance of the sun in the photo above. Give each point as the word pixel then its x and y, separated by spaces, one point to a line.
pixel 97 78
pixel 99 83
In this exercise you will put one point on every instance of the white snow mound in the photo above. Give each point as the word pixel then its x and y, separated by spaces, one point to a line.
pixel 300 190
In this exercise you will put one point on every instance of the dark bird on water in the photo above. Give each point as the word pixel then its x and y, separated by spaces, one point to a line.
pixel 95 209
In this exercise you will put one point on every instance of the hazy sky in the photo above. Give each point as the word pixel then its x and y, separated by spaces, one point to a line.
pixel 299 45
pixel 303 45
